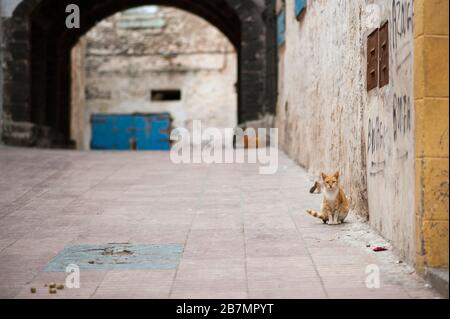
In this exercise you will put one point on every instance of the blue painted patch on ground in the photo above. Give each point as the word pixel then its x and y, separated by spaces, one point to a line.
pixel 117 257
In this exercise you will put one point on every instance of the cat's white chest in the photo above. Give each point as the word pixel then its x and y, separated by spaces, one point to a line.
pixel 331 195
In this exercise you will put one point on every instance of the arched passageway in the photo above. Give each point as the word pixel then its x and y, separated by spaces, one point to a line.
pixel 37 60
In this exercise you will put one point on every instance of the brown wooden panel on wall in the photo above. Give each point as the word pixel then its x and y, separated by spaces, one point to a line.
pixel 372 60
pixel 384 55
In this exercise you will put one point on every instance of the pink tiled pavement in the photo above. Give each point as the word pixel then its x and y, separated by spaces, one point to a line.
pixel 245 235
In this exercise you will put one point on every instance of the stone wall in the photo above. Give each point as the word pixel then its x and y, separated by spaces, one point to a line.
pixel 78 96
pixel 126 60
pixel 432 126
pixel 328 121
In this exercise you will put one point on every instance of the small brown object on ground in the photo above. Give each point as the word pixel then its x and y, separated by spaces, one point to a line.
pixel 60 286
pixel 52 290
pixel 52 285
pixel 33 290
pixel 316 188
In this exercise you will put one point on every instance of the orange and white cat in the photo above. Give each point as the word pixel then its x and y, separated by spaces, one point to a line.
pixel 335 205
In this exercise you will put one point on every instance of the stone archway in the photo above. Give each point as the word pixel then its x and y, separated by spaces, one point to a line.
pixel 37 60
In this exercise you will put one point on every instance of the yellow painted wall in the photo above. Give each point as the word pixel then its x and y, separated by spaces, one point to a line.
pixel 432 139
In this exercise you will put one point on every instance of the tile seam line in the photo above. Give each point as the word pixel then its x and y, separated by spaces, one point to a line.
pixel 186 240
pixel 241 198
pixel 309 254
pixel 99 284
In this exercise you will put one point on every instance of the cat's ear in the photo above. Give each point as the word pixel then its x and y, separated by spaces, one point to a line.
pixel 323 176
pixel 336 175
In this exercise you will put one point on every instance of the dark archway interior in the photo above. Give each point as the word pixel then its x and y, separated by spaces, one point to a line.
pixel 40 59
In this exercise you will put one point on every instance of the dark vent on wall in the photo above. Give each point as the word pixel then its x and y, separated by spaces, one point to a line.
pixel 166 95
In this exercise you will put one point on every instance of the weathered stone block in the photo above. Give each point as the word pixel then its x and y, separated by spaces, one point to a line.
pixel 19 133
pixel 432 127
pixel 419 236
pixel 435 17
pixel 419 74
pixel 435 235
pixel 435 188
pixel 16 70
pixel 420 264
pixel 436 66
pixel 19 111
pixel 418 18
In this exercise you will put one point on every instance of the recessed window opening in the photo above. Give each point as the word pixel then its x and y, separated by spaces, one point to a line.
pixel 166 95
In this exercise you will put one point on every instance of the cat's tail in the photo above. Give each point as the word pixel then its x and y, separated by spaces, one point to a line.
pixel 315 214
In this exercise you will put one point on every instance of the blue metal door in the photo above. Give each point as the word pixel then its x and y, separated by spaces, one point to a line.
pixel 125 132
pixel 103 137
pixel 160 131
pixel 143 132
pixel 152 132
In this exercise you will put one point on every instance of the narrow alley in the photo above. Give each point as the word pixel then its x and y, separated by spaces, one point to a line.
pixel 241 234
pixel 224 149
